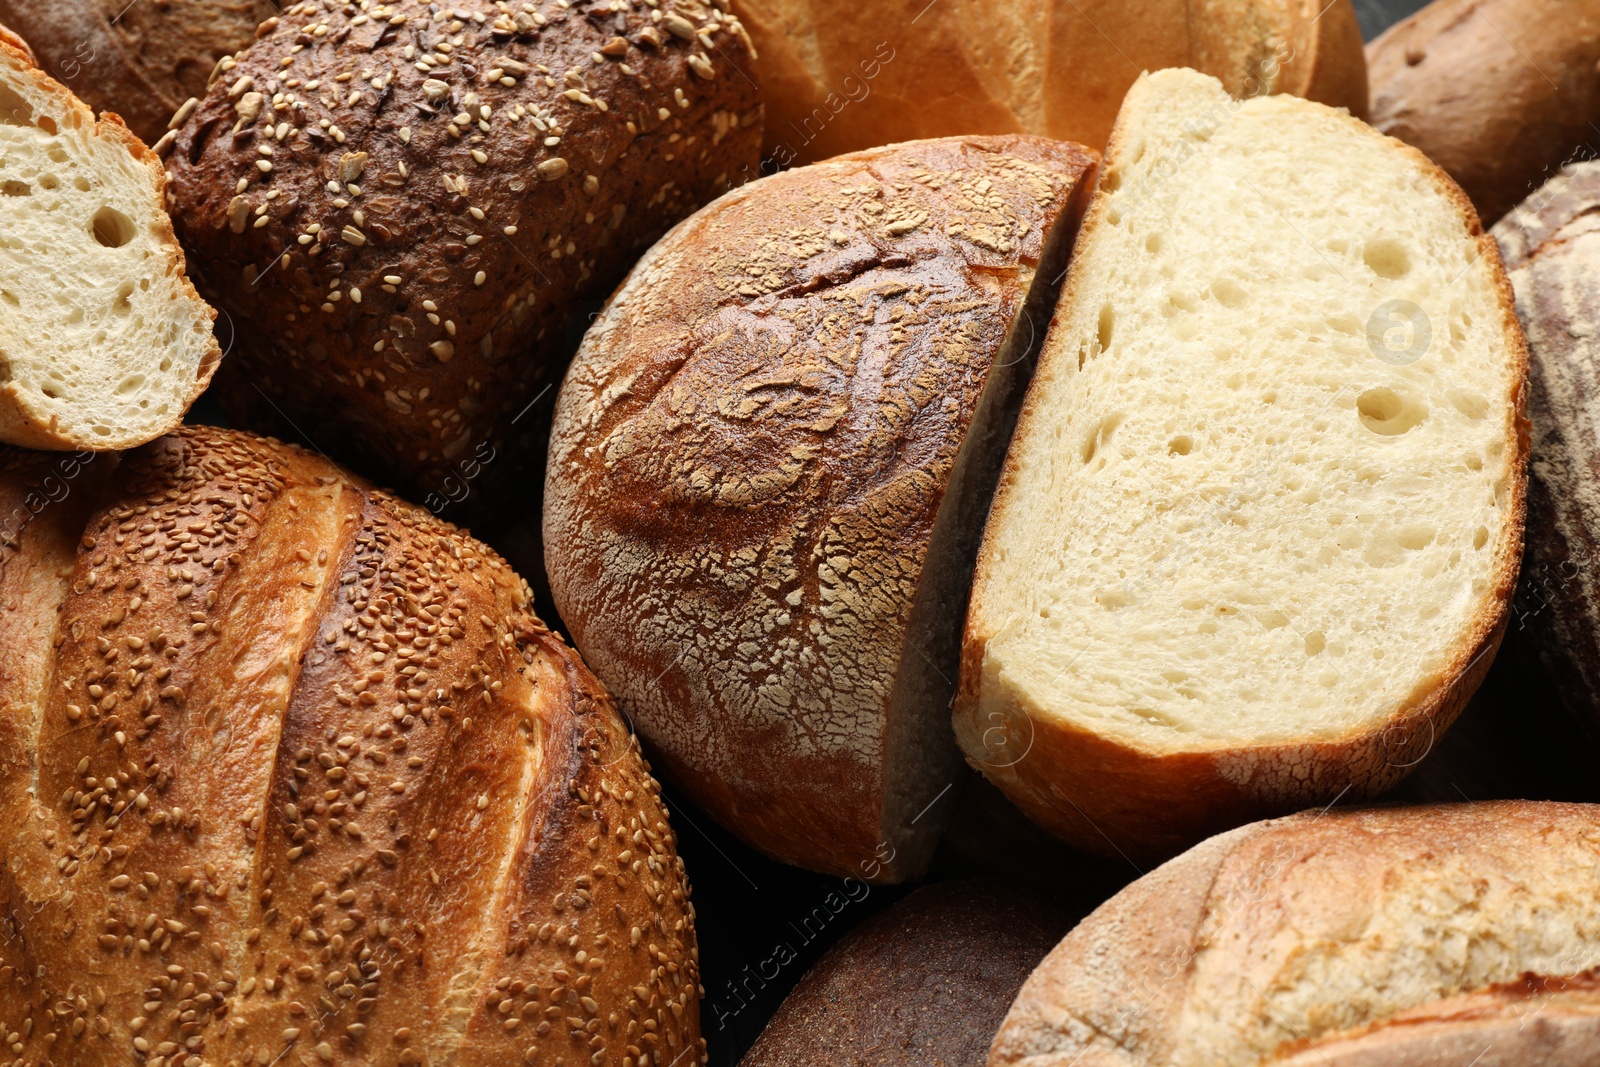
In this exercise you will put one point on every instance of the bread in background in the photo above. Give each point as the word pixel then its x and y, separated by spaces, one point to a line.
pixel 839 76
pixel 1500 93
pixel 104 344
pixel 771 461
pixel 1256 536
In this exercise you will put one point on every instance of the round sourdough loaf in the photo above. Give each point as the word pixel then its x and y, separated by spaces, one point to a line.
pixel 840 76
pixel 139 60
pixel 1499 93
pixel 293 775
pixel 768 476
pixel 401 205
pixel 1400 937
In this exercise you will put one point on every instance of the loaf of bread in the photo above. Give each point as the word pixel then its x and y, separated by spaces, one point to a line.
pixel 139 60
pixel 1258 529
pixel 1401 937
pixel 768 475
pixel 839 76
pixel 400 212
pixel 924 984
pixel 104 344
pixel 1500 93
pixel 1551 245
pixel 293 775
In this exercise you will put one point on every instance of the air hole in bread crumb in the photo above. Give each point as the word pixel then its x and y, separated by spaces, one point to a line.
pixel 1472 405
pixel 1386 412
pixel 81 184
pixel 48 125
pixel 1480 537
pixel 1108 320
pixel 132 384
pixel 1387 258
pixel 1181 445
pixel 1152 244
pixel 1415 538
pixel 1228 292
pixel 50 392
pixel 112 228
pixel 166 363
pixel 14 110
pixel 49 182
pixel 123 304
pixel 1315 643
pixel 56 154
pixel 16 188
pixel 1100 437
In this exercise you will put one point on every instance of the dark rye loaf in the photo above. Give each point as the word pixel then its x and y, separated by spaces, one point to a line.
pixel 400 205
pixel 291 774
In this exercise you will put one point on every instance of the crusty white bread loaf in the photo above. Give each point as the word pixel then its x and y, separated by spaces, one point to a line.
pixel 104 344
pixel 1400 937
pixel 769 471
pixel 292 775
pixel 841 75
pixel 1259 524
pixel 1499 93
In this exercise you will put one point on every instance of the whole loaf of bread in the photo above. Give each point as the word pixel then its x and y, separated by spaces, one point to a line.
pixel 290 773
pixel 400 206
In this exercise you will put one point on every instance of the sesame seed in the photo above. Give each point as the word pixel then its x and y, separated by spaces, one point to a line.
pixel 479 278
pixel 392 279
pixel 552 169
pixel 264 166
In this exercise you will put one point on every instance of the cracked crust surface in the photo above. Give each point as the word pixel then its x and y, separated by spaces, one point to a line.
pixel 292 774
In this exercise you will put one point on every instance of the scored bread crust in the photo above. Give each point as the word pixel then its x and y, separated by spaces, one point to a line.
pixel 1126 800
pixel 433 178
pixel 140 61
pixel 24 420
pixel 843 76
pixel 769 463
pixel 294 775
pixel 1325 938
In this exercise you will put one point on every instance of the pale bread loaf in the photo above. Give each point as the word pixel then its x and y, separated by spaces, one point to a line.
pixel 104 344
pixel 1250 550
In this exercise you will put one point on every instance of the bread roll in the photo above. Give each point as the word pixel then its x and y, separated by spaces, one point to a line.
pixel 1256 537
pixel 1500 93
pixel 140 60
pixel 924 983
pixel 104 344
pixel 294 776
pixel 769 469
pixel 400 213
pixel 840 76
pixel 1401 937
pixel 1552 247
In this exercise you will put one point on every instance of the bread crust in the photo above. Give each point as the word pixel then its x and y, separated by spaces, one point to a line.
pixel 751 456
pixel 1118 799
pixel 1127 986
pixel 1500 93
pixel 22 420
pixel 846 76
pixel 433 178
pixel 293 774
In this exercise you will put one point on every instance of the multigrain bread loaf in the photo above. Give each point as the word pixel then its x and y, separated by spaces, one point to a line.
pixel 925 984
pixel 1551 245
pixel 293 775
pixel 400 206
pixel 1258 528
pixel 1500 93
pixel 139 60
pixel 1401 937
pixel 768 474
pixel 839 76
pixel 104 344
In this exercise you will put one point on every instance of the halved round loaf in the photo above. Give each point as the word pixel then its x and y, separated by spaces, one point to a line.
pixel 292 774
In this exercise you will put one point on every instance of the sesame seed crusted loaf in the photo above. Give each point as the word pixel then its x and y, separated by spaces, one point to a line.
pixel 770 466
pixel 1400 937
pixel 139 60
pixel 289 773
pixel 401 204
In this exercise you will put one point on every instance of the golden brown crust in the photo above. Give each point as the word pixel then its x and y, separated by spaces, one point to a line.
pixel 1343 924
pixel 1121 800
pixel 299 777
pixel 494 208
pixel 1499 93
pixel 751 457
pixel 845 76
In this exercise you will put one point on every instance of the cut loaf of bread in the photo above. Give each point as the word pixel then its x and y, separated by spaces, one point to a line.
pixel 104 344
pixel 1258 528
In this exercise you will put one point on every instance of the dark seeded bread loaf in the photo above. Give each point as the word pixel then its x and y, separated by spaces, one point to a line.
pixel 400 206
pixel 141 60
pixel 925 984
pixel 292 775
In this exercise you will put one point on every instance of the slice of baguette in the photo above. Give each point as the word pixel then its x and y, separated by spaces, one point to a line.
pixel 1258 528
pixel 104 344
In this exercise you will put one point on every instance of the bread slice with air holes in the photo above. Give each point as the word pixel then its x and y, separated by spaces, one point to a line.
pixel 1259 525
pixel 104 344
